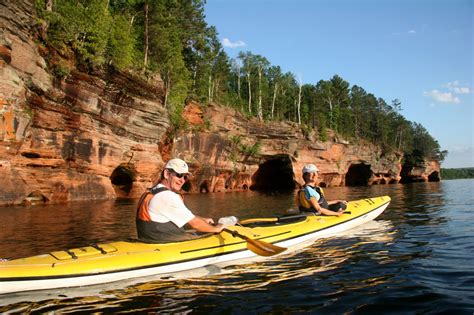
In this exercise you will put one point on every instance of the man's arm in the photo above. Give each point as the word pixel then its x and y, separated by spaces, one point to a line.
pixel 201 224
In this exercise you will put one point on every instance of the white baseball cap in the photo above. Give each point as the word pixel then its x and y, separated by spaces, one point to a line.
pixel 310 168
pixel 178 165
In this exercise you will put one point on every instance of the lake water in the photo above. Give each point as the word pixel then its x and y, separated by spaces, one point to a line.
pixel 417 257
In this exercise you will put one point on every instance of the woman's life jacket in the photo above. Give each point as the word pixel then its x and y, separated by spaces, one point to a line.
pixel 149 231
pixel 305 205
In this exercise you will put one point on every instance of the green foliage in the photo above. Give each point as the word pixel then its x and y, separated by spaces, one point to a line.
pixel 207 123
pixel 61 69
pixel 457 173
pixel 121 43
pixel 251 150
pixel 306 130
pixel 323 134
pixel 238 148
pixel 177 120
pixel 172 39
pixel 83 26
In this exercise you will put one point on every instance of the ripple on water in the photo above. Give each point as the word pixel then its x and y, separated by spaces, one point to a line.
pixel 415 258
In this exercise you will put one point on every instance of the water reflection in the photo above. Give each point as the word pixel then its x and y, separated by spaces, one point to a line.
pixel 34 230
pixel 415 258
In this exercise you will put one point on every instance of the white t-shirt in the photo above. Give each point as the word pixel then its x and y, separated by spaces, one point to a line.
pixel 168 206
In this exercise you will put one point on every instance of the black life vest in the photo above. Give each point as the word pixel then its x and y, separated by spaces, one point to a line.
pixel 149 231
pixel 305 205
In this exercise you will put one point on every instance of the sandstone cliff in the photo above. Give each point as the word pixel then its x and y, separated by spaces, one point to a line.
pixel 284 149
pixel 64 139
pixel 104 136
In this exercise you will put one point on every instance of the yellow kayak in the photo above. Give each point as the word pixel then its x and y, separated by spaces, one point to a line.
pixel 104 263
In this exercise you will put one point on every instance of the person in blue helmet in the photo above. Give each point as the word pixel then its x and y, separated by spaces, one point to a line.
pixel 311 197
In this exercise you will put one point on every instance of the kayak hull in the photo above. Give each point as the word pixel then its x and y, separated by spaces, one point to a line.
pixel 105 263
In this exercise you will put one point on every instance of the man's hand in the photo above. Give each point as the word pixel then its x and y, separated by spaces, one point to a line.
pixel 205 225
pixel 209 220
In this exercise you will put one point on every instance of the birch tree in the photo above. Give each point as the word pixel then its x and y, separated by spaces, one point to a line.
pixel 274 77
pixel 262 66
pixel 298 106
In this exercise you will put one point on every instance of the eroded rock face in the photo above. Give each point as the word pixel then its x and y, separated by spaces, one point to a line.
pixel 221 165
pixel 97 137
pixel 62 140
pixel 427 171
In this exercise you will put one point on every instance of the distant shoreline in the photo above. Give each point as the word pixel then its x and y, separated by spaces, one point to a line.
pixel 457 173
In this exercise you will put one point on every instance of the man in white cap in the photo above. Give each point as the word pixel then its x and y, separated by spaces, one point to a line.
pixel 161 212
pixel 311 197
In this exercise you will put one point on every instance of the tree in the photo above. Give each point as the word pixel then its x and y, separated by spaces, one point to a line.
pixel 274 78
pixel 121 43
pixel 82 26
pixel 146 23
pixel 262 65
pixel 298 106
pixel 172 39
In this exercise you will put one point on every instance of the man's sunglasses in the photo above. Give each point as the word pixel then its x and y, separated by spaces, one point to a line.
pixel 179 175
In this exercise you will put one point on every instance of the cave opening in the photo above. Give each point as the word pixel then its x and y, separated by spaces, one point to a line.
pixel 405 174
pixel 36 197
pixel 122 179
pixel 434 177
pixel 358 175
pixel 275 174
pixel 204 187
pixel 187 186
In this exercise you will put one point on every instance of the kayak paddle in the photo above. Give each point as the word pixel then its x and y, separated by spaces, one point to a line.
pixel 258 247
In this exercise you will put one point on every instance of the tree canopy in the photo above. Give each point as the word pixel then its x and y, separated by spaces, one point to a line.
pixel 172 39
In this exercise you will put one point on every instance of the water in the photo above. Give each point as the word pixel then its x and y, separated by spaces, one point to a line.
pixel 417 257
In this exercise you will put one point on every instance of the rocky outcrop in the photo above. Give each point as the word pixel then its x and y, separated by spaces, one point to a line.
pixel 222 165
pixel 106 136
pixel 71 139
pixel 424 171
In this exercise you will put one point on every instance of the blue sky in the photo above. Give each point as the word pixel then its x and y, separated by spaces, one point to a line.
pixel 418 51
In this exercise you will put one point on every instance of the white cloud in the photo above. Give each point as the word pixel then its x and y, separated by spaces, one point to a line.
pixel 228 43
pixel 452 84
pixel 456 88
pixel 442 97
pixel 462 90
pixel 411 32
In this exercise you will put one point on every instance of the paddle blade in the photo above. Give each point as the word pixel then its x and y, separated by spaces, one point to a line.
pixel 262 248
pixel 258 247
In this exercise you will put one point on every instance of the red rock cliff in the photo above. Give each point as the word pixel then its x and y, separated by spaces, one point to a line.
pixel 74 139
pixel 104 136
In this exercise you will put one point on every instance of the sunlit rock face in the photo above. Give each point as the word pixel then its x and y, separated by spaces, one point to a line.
pixel 220 153
pixel 426 171
pixel 107 135
pixel 71 139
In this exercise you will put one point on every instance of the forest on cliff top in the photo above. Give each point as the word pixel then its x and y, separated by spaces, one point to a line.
pixel 170 38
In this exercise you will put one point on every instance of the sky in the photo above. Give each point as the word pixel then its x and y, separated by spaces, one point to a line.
pixel 417 51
